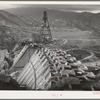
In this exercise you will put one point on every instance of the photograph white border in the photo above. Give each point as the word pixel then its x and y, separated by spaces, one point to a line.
pixel 50 94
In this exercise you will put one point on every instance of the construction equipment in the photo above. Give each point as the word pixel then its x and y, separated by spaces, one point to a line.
pixel 45 32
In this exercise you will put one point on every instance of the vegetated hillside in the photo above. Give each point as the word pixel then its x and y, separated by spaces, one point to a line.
pixel 9 36
pixel 83 21
pixel 13 29
pixel 59 21
pixel 11 19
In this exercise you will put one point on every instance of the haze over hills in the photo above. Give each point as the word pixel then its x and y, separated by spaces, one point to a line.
pixel 11 19
pixel 83 21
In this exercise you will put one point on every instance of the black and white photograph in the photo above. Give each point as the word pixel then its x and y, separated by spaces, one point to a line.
pixel 50 47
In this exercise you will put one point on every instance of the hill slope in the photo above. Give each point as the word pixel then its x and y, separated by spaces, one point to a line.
pixel 83 21
pixel 11 19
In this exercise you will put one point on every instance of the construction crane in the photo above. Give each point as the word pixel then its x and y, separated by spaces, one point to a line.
pixel 45 32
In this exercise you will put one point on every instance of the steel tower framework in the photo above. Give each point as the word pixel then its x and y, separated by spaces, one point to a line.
pixel 45 31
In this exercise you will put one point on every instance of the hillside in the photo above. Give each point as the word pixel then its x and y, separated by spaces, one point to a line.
pixel 9 35
pixel 11 19
pixel 12 29
pixel 84 21
pixel 80 29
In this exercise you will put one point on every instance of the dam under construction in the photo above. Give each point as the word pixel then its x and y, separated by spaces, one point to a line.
pixel 40 64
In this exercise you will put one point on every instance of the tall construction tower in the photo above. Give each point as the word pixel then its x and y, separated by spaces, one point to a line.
pixel 45 31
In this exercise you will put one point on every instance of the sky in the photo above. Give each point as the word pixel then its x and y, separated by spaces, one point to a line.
pixel 7 6
pixel 76 8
